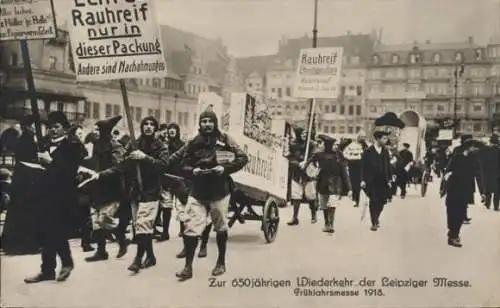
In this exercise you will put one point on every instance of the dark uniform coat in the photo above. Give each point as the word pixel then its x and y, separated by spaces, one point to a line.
pixel 375 172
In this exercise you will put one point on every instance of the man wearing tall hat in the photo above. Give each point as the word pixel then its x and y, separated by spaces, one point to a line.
pixel 353 153
pixel 145 191
pixel 459 181
pixel 209 159
pixel 58 196
pixel 376 176
pixel 107 193
pixel 300 179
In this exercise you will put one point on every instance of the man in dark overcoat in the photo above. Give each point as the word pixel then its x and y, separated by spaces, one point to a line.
pixel 376 176
pixel 402 168
pixel 461 174
pixel 58 198
pixel 489 157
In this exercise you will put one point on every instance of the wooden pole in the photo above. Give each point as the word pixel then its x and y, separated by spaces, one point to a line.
pixel 31 88
pixel 130 124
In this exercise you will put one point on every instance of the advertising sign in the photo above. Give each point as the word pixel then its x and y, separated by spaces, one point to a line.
pixel 319 72
pixel 118 40
pixel 27 20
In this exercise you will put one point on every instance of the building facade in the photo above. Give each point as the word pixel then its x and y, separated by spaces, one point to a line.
pixel 436 80
pixel 273 78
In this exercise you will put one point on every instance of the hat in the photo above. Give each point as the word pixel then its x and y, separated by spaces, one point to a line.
pixel 326 138
pixel 465 138
pixel 152 119
pixel 107 125
pixel 406 145
pixel 163 126
pixel 58 117
pixel 209 113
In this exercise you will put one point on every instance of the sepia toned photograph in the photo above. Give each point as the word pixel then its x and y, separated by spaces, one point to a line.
pixel 249 153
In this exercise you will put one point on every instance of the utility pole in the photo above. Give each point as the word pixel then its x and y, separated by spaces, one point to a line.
pixel 314 45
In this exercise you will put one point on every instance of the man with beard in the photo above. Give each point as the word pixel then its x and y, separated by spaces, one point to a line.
pixel 353 153
pixel 459 181
pixel 296 156
pixel 59 196
pixel 208 159
pixel 106 193
pixel 145 191
pixel 376 176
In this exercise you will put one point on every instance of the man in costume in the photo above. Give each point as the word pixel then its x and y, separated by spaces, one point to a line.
pixel 145 190
pixel 208 159
pixel 333 179
pixel 300 179
pixel 107 193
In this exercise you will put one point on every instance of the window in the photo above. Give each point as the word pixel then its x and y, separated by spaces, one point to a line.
pixel 327 129
pixel 186 118
pixel 459 57
pixel 342 109
pixel 156 83
pixel 116 110
pixel 358 110
pixel 168 116
pixel 341 129
pixel 273 90
pixel 288 91
pixel 477 127
pixel 87 109
pixel 477 108
pixel 359 90
pixel 358 129
pixel 373 109
pixel 250 85
pixel 150 112
pixel 179 118
pixel 96 111
pixel 327 109
pixel 60 106
pixel 138 114
pixel 351 110
pixel 52 62
pixel 14 59
pixel 108 111
pixel 436 58
pixel 376 59
pixel 350 130
pixel 395 59
pixel 342 91
pixel 440 108
pixel 157 114
pixel 279 93
pixel 334 108
pixel 334 129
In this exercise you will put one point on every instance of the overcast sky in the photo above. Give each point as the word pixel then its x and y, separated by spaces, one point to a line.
pixel 254 27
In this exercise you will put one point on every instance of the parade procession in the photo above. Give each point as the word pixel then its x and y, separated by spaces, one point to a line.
pixel 143 165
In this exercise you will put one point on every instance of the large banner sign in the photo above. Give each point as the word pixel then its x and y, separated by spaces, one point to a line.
pixel 27 20
pixel 319 72
pixel 118 40
pixel 267 169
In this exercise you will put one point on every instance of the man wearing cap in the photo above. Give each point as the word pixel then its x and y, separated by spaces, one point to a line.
pixel 376 176
pixel 297 152
pixel 353 153
pixel 145 191
pixel 333 179
pixel 59 196
pixel 403 168
pixel 208 159
pixel 107 193
pixel 459 181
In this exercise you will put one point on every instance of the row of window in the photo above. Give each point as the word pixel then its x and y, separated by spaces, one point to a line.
pixel 417 57
pixel 92 110
pixel 352 91
pixel 430 108
pixel 163 83
pixel 401 73
pixel 434 89
pixel 331 129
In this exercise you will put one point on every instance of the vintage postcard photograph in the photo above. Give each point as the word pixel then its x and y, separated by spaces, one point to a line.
pixel 249 153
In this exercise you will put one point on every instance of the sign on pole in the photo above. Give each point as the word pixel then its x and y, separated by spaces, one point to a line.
pixel 118 40
pixel 318 73
pixel 27 20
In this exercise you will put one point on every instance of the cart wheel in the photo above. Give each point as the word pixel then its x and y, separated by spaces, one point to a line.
pixel 423 186
pixel 270 219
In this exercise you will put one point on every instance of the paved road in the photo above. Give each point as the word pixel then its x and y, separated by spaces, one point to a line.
pixel 410 244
